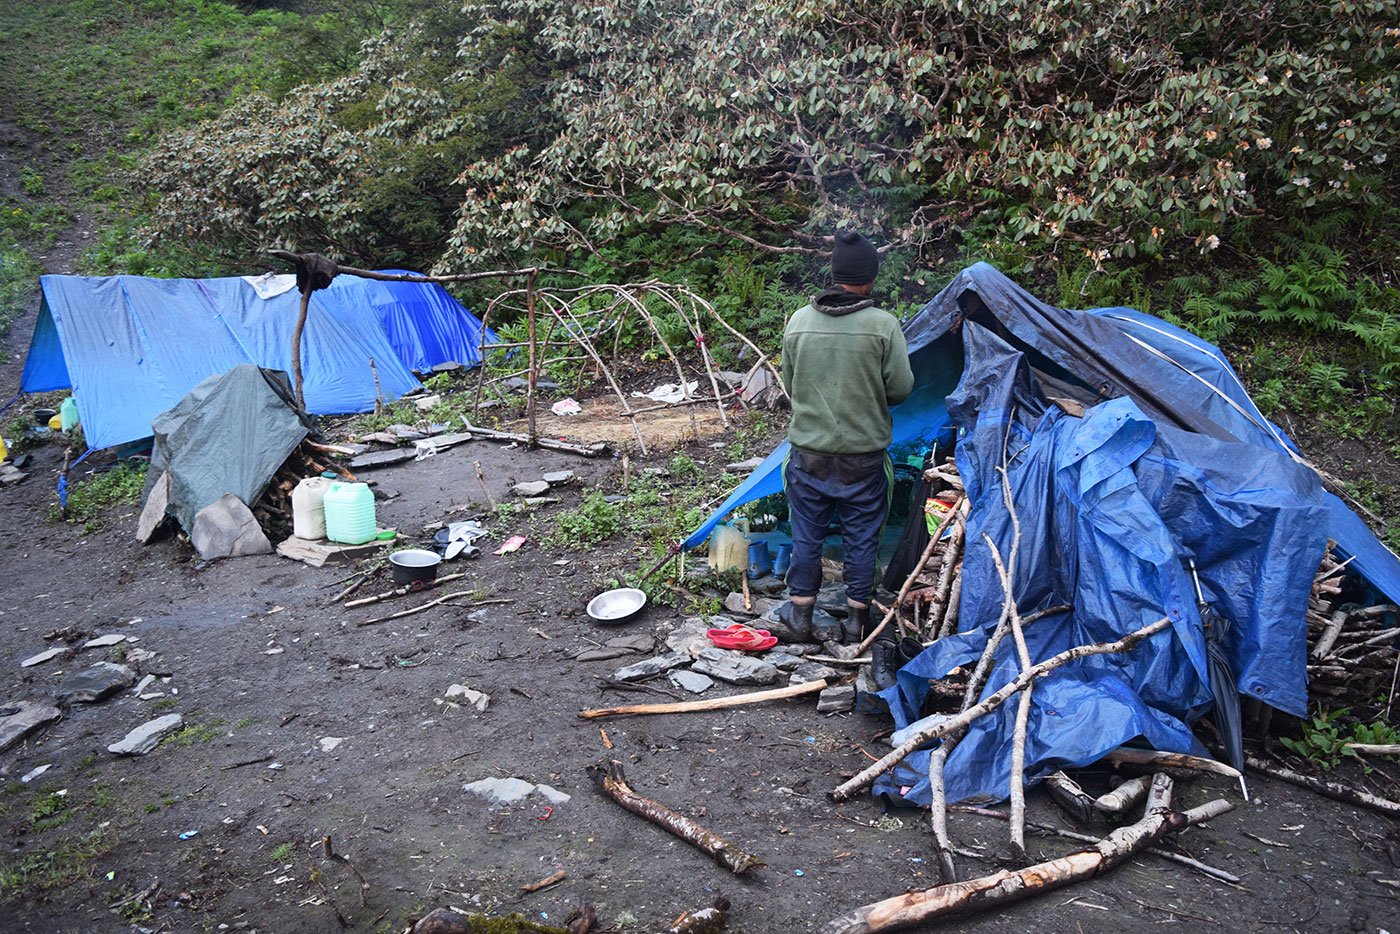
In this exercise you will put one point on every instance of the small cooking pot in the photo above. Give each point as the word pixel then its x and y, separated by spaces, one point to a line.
pixel 413 566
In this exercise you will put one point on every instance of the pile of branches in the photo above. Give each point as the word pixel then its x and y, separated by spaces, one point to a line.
pixel 1353 656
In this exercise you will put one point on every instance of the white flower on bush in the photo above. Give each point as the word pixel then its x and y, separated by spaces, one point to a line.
pixel 1212 242
pixel 1348 166
pixel 1263 142
pixel 1378 158
pixel 1302 181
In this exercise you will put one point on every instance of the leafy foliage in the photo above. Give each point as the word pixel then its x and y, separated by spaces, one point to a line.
pixel 1326 734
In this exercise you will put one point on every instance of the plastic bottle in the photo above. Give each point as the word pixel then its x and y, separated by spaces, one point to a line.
pixel 349 512
pixel 729 546
pixel 68 414
pixel 309 508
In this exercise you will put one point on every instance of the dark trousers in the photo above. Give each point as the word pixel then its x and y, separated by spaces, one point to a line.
pixel 853 488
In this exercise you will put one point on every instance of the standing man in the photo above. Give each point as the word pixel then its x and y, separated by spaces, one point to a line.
pixel 845 363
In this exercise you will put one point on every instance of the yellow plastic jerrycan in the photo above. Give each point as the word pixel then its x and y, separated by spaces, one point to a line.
pixel 729 546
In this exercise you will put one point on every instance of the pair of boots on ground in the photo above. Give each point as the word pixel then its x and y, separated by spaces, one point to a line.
pixel 886 655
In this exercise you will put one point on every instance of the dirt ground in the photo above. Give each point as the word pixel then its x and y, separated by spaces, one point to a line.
pixel 260 659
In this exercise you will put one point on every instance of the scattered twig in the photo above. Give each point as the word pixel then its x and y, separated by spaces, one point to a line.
pixel 239 765
pixel 432 603
pixel 1330 789
pixel 404 590
pixel 546 882
pixel 329 853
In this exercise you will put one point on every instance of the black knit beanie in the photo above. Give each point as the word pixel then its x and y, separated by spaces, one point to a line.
pixel 853 259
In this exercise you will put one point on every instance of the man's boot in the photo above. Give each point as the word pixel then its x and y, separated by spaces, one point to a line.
pixel 857 624
pixel 908 649
pixel 798 618
pixel 884 662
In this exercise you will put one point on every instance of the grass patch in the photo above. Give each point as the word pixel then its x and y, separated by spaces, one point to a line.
pixel 51 869
pixel 50 810
pixel 195 733
pixel 119 486
pixel 164 703
pixel 282 852
pixel 594 520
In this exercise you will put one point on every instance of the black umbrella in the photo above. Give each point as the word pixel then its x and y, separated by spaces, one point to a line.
pixel 1222 680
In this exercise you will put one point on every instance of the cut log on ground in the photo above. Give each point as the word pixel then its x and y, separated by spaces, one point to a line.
pixel 609 778
pixel 717 703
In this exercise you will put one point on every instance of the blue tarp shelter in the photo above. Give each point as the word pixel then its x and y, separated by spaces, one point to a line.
pixel 1131 447
pixel 131 347
pixel 425 325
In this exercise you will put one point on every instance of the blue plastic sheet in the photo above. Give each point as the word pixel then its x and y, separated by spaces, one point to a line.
pixel 131 347
pixel 1111 504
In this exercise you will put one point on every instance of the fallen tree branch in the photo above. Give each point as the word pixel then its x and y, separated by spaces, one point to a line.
pixel 709 920
pixel 1003 887
pixel 1176 760
pixel 608 776
pixel 1374 749
pixel 935 731
pixel 1178 858
pixel 716 703
pixel 1335 790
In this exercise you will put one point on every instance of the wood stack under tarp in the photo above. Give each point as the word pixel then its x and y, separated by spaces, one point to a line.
pixel 273 509
pixel 1353 649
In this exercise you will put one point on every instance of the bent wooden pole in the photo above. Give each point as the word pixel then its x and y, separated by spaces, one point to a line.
pixel 609 778
pixel 1334 790
pixel 1000 888
pixel 952 724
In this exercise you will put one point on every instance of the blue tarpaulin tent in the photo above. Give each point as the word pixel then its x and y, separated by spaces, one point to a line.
pixel 425 324
pixel 1131 447
pixel 131 347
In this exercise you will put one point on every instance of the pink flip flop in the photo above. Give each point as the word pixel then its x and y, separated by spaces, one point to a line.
pixel 743 638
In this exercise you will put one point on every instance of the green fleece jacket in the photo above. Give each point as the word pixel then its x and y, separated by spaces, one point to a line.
pixel 845 363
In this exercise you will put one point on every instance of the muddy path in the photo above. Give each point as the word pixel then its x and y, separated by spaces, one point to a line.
pixel 205 834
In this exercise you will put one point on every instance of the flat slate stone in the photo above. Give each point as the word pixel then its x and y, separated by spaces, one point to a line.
pixel 226 528
pixel 147 736
pixel 382 458
pixel 692 681
pixel 530 488
pixel 559 477
pixel 42 657
pixel 812 671
pixel 837 699
pixel 648 667
pixel 500 791
pixel 782 660
pixel 735 667
pixel 101 642
pixel 20 719
pixel 734 603
pixel 153 512
pixel 689 636
pixel 96 683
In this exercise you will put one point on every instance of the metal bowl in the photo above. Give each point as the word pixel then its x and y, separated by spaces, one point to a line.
pixel 612 607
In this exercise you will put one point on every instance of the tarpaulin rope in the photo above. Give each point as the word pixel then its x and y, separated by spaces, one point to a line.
pixel 17 396
pixel 62 487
